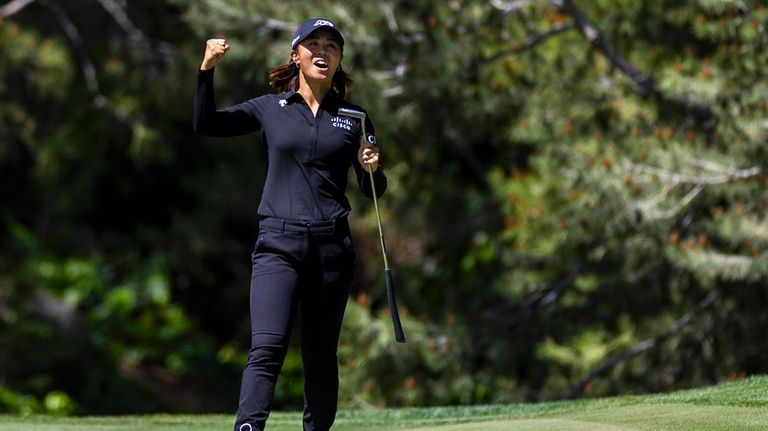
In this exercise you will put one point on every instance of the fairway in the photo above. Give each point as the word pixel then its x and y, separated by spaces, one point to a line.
pixel 727 407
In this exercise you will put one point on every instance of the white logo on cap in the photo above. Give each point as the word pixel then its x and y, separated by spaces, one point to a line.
pixel 293 42
pixel 322 22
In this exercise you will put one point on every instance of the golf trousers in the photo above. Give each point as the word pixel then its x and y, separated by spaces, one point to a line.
pixel 300 269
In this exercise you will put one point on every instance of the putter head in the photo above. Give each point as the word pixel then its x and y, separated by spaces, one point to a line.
pixel 352 113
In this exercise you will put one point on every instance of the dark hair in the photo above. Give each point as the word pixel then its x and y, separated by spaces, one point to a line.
pixel 285 77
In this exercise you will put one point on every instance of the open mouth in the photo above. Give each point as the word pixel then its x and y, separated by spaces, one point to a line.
pixel 320 64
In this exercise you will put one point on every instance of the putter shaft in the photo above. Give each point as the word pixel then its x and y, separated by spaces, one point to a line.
pixel 398 327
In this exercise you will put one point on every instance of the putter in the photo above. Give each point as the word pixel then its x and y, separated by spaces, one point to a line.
pixel 399 334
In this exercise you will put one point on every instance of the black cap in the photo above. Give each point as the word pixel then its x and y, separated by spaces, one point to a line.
pixel 313 24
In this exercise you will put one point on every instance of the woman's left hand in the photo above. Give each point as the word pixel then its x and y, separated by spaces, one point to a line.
pixel 368 155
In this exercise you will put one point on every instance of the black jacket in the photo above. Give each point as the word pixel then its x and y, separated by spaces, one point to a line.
pixel 308 156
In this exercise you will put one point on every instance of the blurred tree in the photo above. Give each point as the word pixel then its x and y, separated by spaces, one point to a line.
pixel 577 200
pixel 99 180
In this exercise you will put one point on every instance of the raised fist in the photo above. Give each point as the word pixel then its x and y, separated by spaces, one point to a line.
pixel 214 50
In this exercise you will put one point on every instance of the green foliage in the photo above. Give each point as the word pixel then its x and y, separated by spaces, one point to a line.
pixel 547 211
pixel 427 370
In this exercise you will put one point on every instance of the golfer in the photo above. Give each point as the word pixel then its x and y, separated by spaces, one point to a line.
pixel 303 257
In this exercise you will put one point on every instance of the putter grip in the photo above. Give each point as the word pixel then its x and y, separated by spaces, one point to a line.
pixel 399 335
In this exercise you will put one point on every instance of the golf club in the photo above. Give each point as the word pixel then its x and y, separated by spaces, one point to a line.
pixel 399 335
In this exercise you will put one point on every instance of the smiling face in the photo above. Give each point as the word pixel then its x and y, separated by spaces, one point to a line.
pixel 318 56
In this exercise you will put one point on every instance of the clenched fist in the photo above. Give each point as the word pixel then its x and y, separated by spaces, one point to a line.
pixel 214 50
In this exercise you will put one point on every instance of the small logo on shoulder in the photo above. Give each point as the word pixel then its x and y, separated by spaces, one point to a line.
pixel 283 102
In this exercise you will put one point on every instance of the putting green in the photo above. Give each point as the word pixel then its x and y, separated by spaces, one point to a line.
pixel 525 425
pixel 653 417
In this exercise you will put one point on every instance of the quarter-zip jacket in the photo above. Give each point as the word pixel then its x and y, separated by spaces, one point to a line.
pixel 308 155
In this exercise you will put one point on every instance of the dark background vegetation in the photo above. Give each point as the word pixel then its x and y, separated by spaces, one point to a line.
pixel 577 201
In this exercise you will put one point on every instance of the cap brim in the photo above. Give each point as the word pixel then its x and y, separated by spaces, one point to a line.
pixel 336 33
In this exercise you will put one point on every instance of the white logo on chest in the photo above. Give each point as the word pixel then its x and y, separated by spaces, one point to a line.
pixel 342 122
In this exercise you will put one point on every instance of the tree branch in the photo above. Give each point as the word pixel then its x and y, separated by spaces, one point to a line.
pixel 13 7
pixel 89 71
pixel 712 174
pixel 509 315
pixel 513 5
pixel 121 18
pixel 234 12
pixel 652 173
pixel 394 27
pixel 650 213
pixel 479 63
pixel 644 84
pixel 531 42
pixel 642 346
pixel 76 41
pixel 553 290
pixel 684 203
pixel 134 33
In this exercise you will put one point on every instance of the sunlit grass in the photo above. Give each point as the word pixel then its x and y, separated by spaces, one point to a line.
pixel 741 405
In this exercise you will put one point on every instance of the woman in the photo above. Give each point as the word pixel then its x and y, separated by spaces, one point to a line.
pixel 303 257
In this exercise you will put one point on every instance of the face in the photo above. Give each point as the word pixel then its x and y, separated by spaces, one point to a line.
pixel 318 56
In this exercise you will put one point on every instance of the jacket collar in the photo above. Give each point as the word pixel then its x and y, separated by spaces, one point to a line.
pixel 294 96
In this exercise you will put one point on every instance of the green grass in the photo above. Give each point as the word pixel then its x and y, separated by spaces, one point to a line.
pixel 741 405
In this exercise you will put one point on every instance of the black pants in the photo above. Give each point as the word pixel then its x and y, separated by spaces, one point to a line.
pixel 304 268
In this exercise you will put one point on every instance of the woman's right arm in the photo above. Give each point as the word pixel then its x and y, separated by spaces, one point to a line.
pixel 206 119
